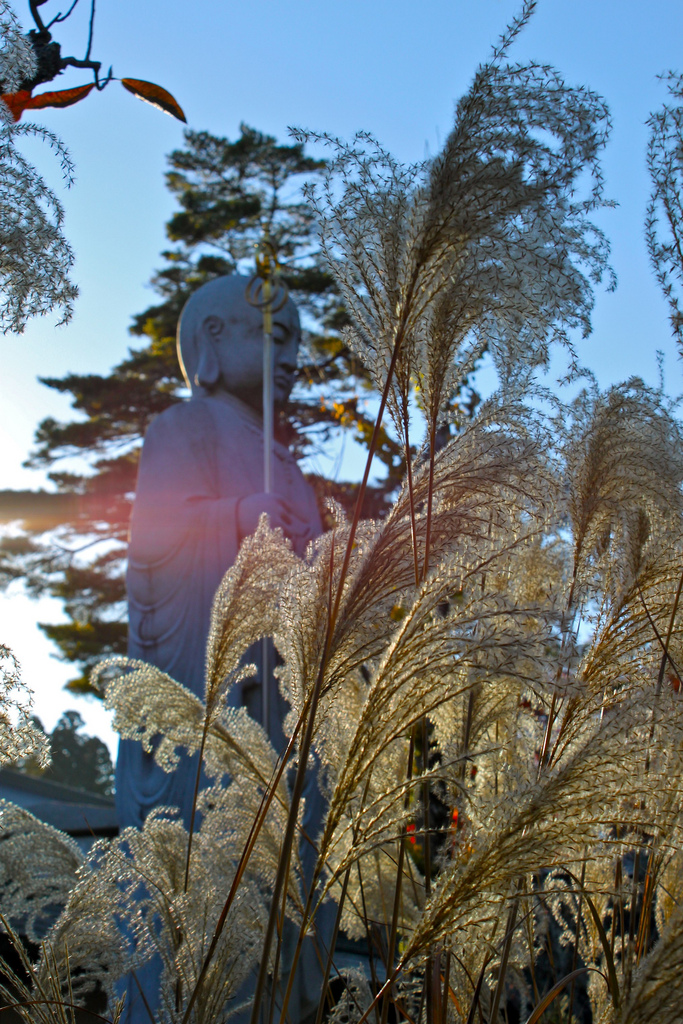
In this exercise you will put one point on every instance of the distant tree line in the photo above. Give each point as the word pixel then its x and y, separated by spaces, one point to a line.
pixel 77 760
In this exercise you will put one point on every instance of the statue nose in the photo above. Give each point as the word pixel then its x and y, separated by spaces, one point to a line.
pixel 288 365
pixel 286 355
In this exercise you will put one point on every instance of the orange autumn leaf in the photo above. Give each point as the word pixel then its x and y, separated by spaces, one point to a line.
pixel 20 101
pixel 60 98
pixel 17 102
pixel 154 94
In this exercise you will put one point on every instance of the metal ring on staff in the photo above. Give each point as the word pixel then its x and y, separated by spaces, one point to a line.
pixel 257 297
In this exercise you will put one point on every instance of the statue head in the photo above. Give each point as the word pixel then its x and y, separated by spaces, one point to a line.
pixel 220 342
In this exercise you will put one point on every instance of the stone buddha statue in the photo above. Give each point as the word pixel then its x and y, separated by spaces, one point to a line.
pixel 199 493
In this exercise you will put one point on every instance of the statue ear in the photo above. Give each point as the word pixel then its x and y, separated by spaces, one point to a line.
pixel 208 368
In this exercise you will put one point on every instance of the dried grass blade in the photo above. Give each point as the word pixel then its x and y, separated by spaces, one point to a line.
pixel 612 981
pixel 554 992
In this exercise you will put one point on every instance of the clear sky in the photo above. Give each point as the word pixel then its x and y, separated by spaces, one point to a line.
pixel 393 67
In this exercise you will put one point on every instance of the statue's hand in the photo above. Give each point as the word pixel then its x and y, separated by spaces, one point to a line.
pixel 280 513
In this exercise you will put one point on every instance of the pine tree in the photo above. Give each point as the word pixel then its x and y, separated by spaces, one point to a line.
pixel 226 191
pixel 77 760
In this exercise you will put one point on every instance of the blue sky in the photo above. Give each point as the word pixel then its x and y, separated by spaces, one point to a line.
pixel 395 68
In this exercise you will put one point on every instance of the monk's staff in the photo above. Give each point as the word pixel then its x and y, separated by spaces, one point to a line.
pixel 268 295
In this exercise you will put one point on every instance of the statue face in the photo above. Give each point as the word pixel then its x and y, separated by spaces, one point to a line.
pixel 239 347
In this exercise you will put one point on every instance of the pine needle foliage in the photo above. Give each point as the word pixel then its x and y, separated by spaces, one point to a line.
pixel 485 683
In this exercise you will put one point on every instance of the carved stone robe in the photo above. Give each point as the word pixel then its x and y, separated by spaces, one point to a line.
pixel 199 458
